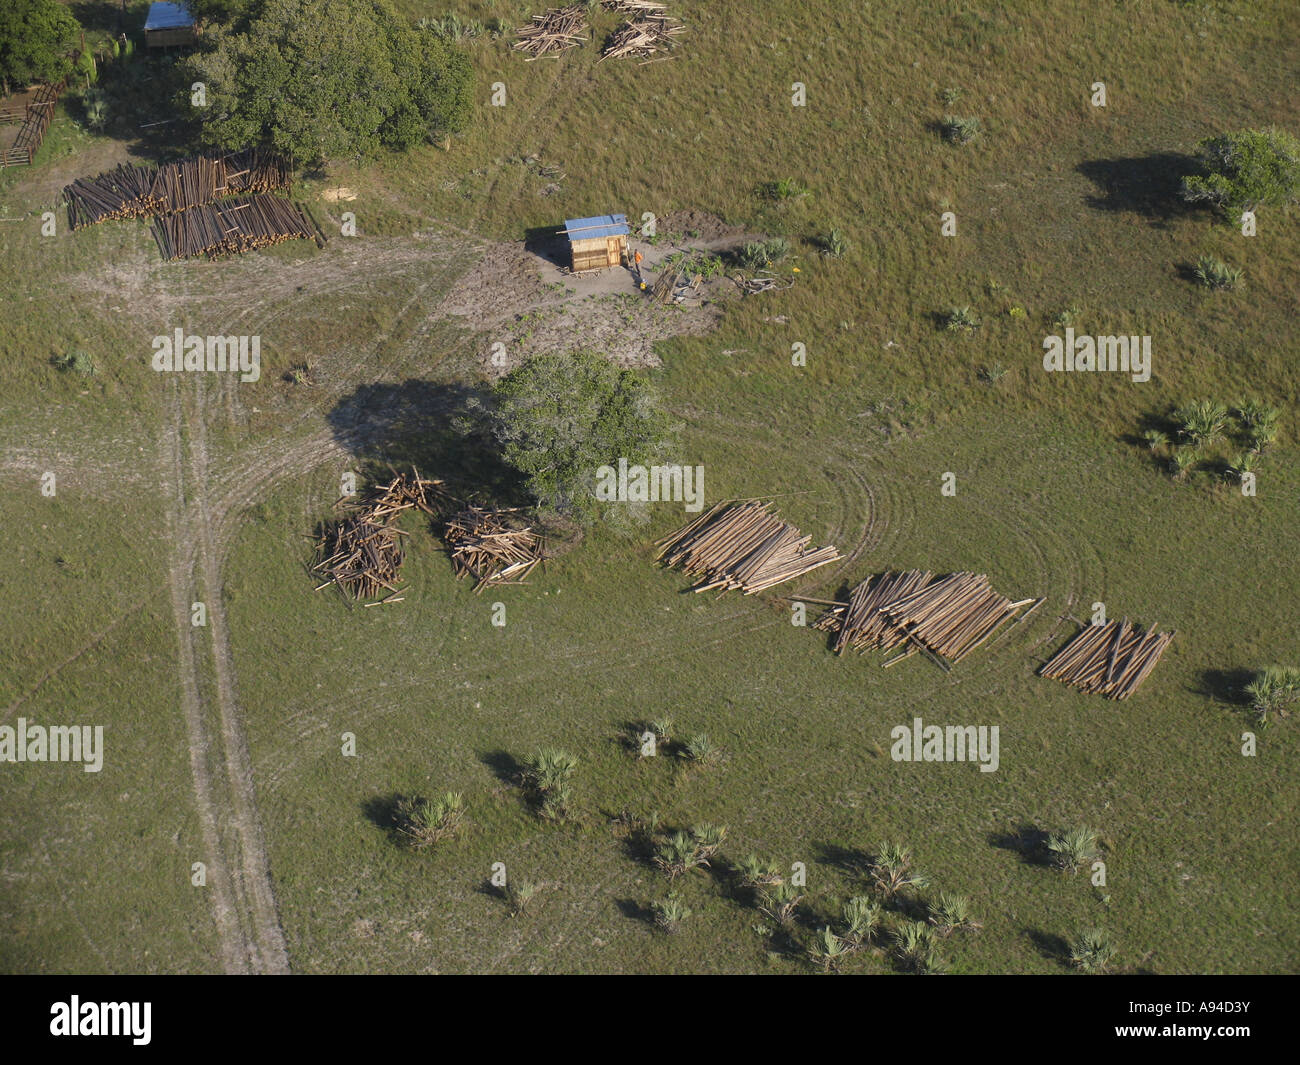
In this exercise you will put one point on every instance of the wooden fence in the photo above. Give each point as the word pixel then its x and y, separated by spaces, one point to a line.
pixel 37 116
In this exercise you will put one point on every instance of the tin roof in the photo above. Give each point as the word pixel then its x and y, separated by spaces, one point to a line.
pixel 601 225
pixel 168 17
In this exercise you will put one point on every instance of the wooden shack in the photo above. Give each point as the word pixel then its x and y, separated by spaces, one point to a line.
pixel 168 25
pixel 597 242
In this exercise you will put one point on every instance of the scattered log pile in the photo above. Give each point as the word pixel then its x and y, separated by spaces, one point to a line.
pixel 1110 660
pixel 362 554
pixel 492 547
pixel 553 32
pixel 146 191
pixel 751 286
pixel 945 617
pixel 634 7
pixel 742 545
pixel 232 226
pixel 644 36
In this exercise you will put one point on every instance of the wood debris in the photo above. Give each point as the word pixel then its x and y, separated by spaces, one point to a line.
pixel 647 34
pixel 750 286
pixel 362 554
pixel 553 32
pixel 742 545
pixel 1110 660
pixel 492 547
pixel 944 617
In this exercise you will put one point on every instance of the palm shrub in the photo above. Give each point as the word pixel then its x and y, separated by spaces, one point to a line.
pixel 1073 848
pixel 779 902
pixel 519 893
pixel 1155 440
pixel 916 949
pixel 1260 422
pixel 960 319
pixel 1201 422
pixel 75 361
pixel 958 130
pixel 949 913
pixel 836 243
pixel 670 912
pixel 1092 951
pixel 1182 461
pixel 828 950
pixel 546 777
pixel 1215 273
pixel 861 919
pixel 700 750
pixel 892 871
pixel 681 851
pixel 1243 464
pixel 425 822
pixel 1273 691
pixel 754 873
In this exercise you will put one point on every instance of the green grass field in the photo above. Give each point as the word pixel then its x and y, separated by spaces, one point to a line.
pixel 227 739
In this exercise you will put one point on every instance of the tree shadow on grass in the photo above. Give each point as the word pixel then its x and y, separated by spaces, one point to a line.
pixel 1146 185
pixel 1027 841
pixel 1049 945
pixel 435 427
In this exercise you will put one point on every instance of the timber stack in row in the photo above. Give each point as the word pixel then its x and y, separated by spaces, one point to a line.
pixel 1110 660
pixel 947 617
pixel 742 545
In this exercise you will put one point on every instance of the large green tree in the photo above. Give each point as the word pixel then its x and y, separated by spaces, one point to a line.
pixel 327 79
pixel 559 418
pixel 1245 170
pixel 37 41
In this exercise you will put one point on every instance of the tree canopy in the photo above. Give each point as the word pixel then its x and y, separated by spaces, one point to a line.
pixel 37 41
pixel 559 418
pixel 326 79
pixel 1245 170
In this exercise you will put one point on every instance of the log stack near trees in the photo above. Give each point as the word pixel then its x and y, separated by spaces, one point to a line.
pixel 553 32
pixel 946 617
pixel 1110 660
pixel 362 554
pixel 492 546
pixel 742 544
pixel 146 191
pixel 232 227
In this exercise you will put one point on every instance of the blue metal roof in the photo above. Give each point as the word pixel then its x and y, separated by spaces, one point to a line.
pixel 601 225
pixel 168 17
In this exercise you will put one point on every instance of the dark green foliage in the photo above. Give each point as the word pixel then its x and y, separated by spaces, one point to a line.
pixel 560 417
pixel 37 42
pixel 1245 170
pixel 326 79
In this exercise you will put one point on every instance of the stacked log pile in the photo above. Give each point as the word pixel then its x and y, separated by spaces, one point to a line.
pixel 125 192
pixel 553 32
pixel 946 617
pixel 644 36
pixel 492 547
pixel 742 545
pixel 362 554
pixel 145 191
pixel 232 226
pixel 1110 660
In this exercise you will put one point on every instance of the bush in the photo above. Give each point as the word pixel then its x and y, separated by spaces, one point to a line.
pixel 519 893
pixel 892 870
pixel 1245 170
pixel 958 130
pixel 683 851
pixel 1202 422
pixel 949 913
pixel 1215 273
pixel 782 189
pixel 701 750
pixel 836 243
pixel 916 949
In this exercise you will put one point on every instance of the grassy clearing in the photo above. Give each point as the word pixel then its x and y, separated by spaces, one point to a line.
pixel 1059 206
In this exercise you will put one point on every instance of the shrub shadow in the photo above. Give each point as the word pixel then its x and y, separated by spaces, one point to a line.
pixel 1146 185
